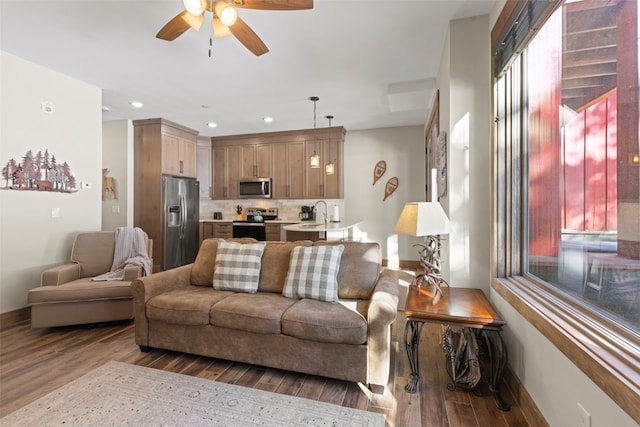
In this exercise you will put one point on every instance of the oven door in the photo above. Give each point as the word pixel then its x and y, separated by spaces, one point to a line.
pixel 255 230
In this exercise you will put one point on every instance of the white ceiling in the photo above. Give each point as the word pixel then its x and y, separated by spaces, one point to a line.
pixel 372 62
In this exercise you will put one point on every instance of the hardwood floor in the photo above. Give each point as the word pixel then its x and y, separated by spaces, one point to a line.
pixel 34 362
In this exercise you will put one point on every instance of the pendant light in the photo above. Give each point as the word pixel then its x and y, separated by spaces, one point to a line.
pixel 314 160
pixel 329 168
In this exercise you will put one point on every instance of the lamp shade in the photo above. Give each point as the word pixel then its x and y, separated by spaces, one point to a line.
pixel 423 219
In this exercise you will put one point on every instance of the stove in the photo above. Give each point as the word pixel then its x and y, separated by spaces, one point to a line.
pixel 266 214
pixel 253 226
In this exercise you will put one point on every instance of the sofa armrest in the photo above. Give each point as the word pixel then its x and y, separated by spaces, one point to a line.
pixel 132 272
pixel 383 309
pixel 145 288
pixel 384 300
pixel 60 274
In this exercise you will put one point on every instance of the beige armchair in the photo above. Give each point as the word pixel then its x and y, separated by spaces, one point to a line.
pixel 68 296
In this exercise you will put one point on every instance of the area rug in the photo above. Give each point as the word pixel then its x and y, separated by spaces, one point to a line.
pixel 119 394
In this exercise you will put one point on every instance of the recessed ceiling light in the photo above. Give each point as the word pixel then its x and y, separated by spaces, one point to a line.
pixel 136 104
pixel 267 119
pixel 212 124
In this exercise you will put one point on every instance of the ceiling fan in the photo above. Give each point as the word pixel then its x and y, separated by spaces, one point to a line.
pixel 225 19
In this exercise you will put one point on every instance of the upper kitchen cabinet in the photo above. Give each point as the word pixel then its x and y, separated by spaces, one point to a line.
pixel 203 167
pixel 227 171
pixel 319 183
pixel 282 156
pixel 171 144
pixel 256 160
pixel 288 170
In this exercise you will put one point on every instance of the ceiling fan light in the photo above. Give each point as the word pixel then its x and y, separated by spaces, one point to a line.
pixel 195 7
pixel 226 13
pixel 219 29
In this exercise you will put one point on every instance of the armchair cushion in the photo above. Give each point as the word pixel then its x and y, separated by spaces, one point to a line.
pixel 93 251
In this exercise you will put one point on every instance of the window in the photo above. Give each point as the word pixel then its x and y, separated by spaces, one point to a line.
pixel 567 179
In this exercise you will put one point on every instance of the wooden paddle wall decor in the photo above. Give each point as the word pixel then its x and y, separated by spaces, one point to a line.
pixel 391 186
pixel 379 170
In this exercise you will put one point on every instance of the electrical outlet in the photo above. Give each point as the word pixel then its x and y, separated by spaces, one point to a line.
pixel 585 417
pixel 115 209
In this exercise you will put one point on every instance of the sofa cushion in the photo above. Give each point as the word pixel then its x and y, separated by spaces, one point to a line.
pixel 360 267
pixel 261 312
pixel 313 273
pixel 93 251
pixel 275 264
pixel 238 266
pixel 187 306
pixel 80 290
pixel 203 266
pixel 319 321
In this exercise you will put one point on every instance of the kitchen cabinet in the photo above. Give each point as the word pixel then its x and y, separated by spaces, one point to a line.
pixel 333 184
pixel 178 155
pixel 320 185
pixel 203 167
pixel 256 161
pixel 272 231
pixel 227 171
pixel 216 230
pixel 288 170
pixel 282 156
pixel 160 148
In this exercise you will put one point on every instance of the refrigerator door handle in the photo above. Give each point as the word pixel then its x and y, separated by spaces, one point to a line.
pixel 183 209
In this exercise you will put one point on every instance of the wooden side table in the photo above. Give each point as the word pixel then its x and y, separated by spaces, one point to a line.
pixel 462 307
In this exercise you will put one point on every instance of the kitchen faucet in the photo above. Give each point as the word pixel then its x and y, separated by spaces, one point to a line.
pixel 326 211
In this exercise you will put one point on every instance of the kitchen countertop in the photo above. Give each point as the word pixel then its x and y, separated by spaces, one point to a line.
pixel 269 221
pixel 314 227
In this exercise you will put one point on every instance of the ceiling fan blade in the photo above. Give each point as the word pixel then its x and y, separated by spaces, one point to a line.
pixel 248 37
pixel 273 4
pixel 178 25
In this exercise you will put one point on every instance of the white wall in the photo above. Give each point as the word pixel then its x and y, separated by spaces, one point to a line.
pixel 464 82
pixel 30 239
pixel 402 149
pixel 117 156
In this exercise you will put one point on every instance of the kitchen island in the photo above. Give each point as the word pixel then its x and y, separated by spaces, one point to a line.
pixel 342 230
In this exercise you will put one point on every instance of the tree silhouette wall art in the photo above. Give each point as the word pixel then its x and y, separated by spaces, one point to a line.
pixel 39 172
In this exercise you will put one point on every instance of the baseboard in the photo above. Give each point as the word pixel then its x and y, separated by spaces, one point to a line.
pixel 10 318
pixel 529 408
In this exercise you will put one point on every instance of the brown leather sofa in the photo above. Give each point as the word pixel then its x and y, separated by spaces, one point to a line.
pixel 68 296
pixel 179 310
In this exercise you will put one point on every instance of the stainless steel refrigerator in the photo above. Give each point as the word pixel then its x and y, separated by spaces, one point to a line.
pixel 181 197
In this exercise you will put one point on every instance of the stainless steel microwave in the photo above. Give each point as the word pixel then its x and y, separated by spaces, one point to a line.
pixel 255 188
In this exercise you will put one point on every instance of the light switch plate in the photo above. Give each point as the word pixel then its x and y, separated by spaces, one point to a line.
pixel 55 212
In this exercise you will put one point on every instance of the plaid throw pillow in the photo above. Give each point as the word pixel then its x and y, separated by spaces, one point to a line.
pixel 238 266
pixel 313 273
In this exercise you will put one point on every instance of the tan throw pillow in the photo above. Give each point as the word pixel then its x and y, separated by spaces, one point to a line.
pixel 313 273
pixel 237 266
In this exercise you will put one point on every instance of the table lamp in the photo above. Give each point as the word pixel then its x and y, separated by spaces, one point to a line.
pixel 426 219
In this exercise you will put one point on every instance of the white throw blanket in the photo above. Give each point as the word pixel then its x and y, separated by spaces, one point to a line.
pixel 131 249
